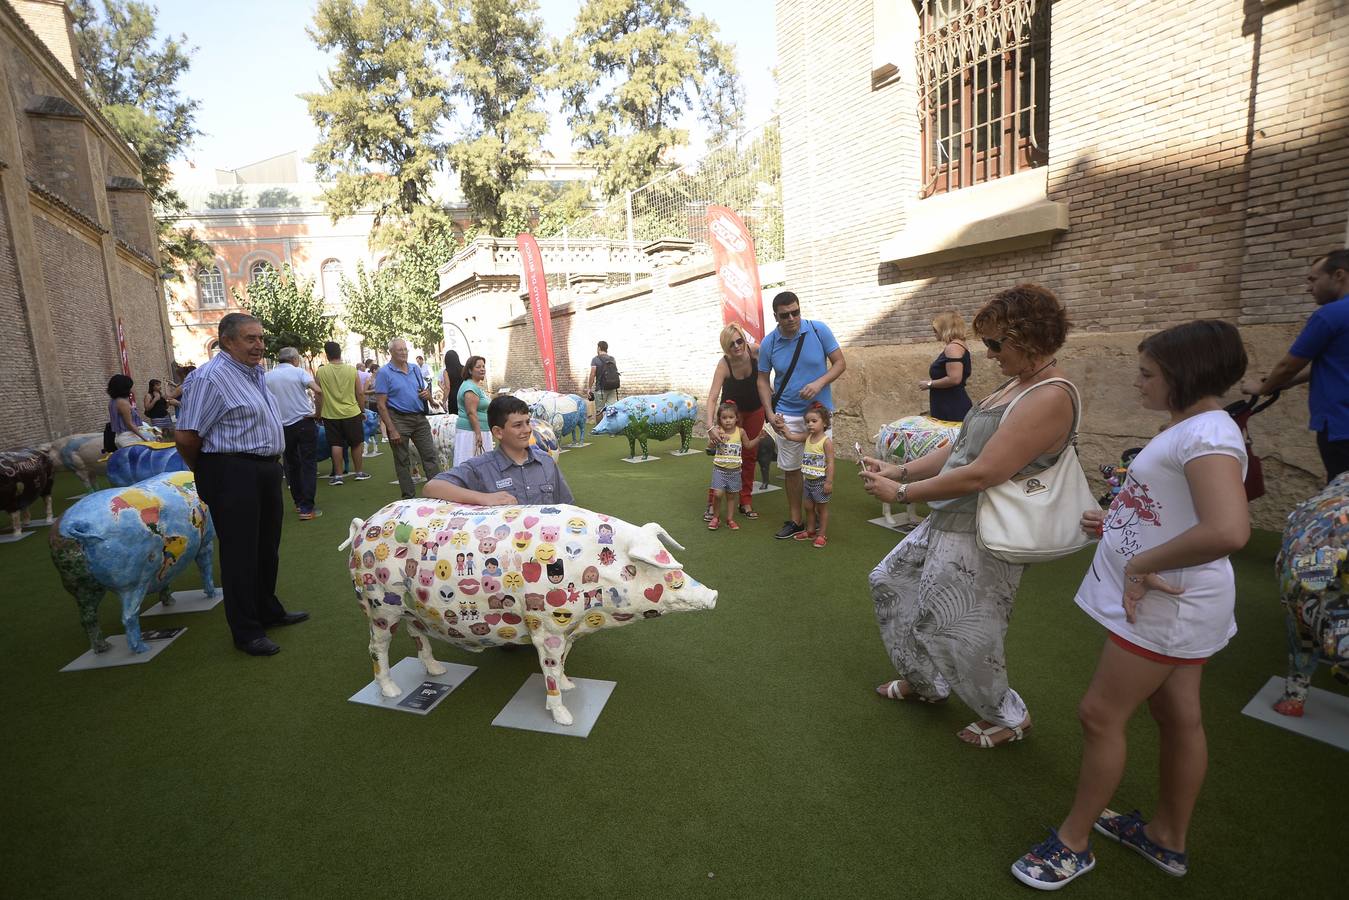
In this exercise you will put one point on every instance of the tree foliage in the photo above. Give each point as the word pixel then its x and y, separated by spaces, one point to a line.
pixel 629 72
pixel 498 57
pixel 132 74
pixel 380 113
pixel 399 300
pixel 290 312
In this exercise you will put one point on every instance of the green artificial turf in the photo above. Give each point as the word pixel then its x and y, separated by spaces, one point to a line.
pixel 743 752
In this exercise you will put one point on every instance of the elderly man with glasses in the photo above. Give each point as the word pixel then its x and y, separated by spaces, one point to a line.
pixel 804 358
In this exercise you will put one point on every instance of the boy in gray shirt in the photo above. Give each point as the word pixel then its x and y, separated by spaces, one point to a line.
pixel 512 474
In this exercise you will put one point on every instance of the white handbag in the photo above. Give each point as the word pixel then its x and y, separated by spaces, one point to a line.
pixel 1036 518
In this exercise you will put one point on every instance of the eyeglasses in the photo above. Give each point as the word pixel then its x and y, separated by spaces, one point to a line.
pixel 994 344
pixel 738 342
pixel 789 314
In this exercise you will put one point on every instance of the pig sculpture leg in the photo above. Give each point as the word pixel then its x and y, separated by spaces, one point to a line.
pixel 87 598
pixel 379 654
pixel 206 563
pixel 552 650
pixel 433 665
pixel 131 616
pixel 1301 666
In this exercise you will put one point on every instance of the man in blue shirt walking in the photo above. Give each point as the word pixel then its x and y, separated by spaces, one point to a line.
pixel 804 359
pixel 1324 342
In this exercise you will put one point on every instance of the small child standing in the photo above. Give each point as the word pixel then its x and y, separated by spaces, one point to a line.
pixel 817 468
pixel 726 464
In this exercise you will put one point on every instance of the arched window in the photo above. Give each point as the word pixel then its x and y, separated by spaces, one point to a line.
pixel 210 288
pixel 212 348
pixel 332 282
pixel 258 269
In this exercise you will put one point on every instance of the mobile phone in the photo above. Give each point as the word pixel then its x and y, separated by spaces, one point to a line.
pixel 857 449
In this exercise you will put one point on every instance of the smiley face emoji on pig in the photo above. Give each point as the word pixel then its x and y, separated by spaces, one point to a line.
pixel 550 607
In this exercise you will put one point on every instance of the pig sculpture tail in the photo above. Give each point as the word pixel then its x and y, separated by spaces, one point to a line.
pixel 353 530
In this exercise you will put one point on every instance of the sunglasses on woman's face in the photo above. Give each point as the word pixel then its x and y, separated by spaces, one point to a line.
pixel 738 342
pixel 994 344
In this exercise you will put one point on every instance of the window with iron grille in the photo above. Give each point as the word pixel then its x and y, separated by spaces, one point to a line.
pixel 258 269
pixel 210 288
pixel 983 89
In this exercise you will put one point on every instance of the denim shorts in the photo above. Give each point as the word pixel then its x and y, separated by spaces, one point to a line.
pixel 725 479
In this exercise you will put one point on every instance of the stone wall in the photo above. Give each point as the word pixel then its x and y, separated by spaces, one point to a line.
pixel 27 419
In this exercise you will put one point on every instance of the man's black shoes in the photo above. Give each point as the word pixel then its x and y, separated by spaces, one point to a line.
pixel 789 530
pixel 290 618
pixel 260 647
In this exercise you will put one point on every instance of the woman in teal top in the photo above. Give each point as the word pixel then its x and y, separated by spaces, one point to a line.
pixel 472 437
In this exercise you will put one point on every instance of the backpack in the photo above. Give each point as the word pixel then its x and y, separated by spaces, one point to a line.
pixel 607 377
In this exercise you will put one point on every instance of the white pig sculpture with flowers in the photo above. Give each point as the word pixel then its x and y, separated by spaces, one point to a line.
pixel 481 577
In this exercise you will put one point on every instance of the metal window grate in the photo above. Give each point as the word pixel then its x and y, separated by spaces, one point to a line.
pixel 983 90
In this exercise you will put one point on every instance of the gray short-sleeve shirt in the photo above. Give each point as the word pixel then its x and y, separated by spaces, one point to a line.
pixel 536 482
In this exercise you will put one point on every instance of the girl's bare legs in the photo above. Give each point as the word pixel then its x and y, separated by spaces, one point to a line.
pixel 1122 681
pixel 1184 756
pixel 822 515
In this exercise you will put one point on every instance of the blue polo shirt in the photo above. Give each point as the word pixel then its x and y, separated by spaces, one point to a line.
pixel 775 355
pixel 1325 341
pixel 401 387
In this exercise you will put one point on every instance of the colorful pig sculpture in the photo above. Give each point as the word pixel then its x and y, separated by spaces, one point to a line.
pixel 544 575
pixel 442 434
pixel 137 462
pixel 80 453
pixel 25 475
pixel 646 416
pixel 133 541
pixel 1313 570
pixel 565 413
pixel 905 440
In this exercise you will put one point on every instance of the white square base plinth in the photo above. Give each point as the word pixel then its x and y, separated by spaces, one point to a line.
pixel 1325 718
pixel 585 702
pixel 688 453
pixel 119 655
pixel 38 523
pixel 899 526
pixel 10 537
pixel 186 602
pixel 637 459
pixel 763 489
pixel 577 446
pixel 421 692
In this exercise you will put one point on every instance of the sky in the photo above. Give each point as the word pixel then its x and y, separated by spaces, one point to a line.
pixel 253 58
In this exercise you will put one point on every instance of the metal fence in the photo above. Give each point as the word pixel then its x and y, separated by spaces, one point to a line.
pixel 744 174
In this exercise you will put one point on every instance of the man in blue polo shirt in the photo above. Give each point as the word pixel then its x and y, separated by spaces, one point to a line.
pixel 1324 342
pixel 401 394
pixel 804 359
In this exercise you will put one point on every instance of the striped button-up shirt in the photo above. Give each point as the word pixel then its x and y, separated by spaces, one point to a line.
pixel 227 403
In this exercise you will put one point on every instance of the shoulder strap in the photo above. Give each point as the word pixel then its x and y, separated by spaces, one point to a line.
pixel 1072 392
pixel 791 367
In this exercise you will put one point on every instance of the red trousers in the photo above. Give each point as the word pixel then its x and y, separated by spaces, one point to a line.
pixel 752 423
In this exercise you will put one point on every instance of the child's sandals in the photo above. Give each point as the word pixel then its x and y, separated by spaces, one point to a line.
pixel 733 524
pixel 713 523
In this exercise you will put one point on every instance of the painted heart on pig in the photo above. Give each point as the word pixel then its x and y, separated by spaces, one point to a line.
pixel 423 594
pixel 492 618
pixel 531 521
pixel 425 511
pixel 662 557
pixel 653 593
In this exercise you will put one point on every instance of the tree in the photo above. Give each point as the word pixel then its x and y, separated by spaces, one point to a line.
pixel 290 312
pixel 132 75
pixel 629 72
pixel 371 303
pixel 399 300
pixel 496 50
pixel 381 112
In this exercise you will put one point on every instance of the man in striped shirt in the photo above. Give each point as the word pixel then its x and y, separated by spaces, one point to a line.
pixel 230 436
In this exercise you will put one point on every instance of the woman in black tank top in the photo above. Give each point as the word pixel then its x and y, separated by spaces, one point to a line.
pixel 736 378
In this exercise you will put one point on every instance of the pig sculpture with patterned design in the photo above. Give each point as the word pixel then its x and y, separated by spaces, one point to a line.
pixel 25 476
pixel 481 577
pixel 133 541
pixel 79 453
pixel 905 440
pixel 645 417
pixel 442 435
pixel 1313 570
pixel 137 462
pixel 541 435
pixel 564 413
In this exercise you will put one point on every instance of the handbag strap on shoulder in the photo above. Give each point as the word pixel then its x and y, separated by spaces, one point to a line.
pixel 1072 392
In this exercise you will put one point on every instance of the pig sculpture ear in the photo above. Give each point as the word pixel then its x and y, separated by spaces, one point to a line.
pixel 649 546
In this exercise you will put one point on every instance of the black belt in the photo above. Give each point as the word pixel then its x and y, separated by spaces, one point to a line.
pixel 256 457
pixel 403 412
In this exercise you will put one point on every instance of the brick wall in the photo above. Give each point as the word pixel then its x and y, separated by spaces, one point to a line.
pixel 141 322
pixel 81 320
pixel 20 409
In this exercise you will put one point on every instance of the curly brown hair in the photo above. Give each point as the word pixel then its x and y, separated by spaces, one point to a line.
pixel 1029 316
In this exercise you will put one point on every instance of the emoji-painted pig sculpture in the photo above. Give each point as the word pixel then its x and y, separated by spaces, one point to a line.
pixel 564 413
pixel 25 476
pixel 79 453
pixel 905 440
pixel 485 576
pixel 1313 569
pixel 442 435
pixel 133 541
pixel 137 462
pixel 650 416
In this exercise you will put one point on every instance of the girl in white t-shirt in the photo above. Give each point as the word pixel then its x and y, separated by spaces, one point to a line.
pixel 1162 587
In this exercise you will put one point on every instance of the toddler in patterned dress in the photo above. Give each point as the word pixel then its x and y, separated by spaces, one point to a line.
pixel 817 468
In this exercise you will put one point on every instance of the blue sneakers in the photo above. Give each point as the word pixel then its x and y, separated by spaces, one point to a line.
pixel 1128 830
pixel 1051 865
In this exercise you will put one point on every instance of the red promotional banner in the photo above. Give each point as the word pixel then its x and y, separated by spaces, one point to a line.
pixel 737 271
pixel 532 261
pixel 121 349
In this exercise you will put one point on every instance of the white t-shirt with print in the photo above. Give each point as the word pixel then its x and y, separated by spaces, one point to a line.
pixel 1152 507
